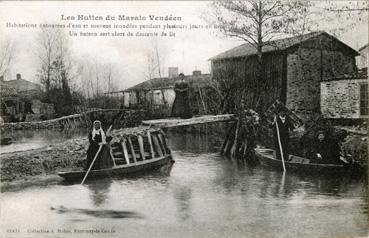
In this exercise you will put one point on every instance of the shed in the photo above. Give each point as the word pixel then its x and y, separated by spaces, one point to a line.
pixel 292 67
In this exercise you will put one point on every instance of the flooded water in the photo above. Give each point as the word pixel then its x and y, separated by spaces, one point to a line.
pixel 204 195
pixel 34 139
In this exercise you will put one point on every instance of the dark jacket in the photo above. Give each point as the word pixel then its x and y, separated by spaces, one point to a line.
pixel 284 135
pixel 104 159
pixel 329 150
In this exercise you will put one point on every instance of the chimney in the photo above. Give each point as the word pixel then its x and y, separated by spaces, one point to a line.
pixel 2 78
pixel 19 76
pixel 196 73
pixel 172 72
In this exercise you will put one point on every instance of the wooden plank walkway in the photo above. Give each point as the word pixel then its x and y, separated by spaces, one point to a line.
pixel 175 122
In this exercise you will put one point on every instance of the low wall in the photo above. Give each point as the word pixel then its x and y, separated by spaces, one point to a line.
pixel 129 118
pixel 341 98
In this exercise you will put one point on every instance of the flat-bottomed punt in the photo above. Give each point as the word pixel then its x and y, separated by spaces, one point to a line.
pixel 300 164
pixel 132 150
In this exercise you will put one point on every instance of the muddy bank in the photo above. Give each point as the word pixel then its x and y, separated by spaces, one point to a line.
pixel 44 161
pixel 66 156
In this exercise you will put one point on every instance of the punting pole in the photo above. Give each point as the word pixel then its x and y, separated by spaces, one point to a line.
pixel 93 161
pixel 280 146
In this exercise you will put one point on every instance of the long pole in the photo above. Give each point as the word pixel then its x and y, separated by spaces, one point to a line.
pixel 93 161
pixel 280 146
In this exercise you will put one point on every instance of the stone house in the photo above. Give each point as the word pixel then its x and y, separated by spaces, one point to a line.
pixel 292 67
pixel 363 58
pixel 345 97
pixel 27 89
pixel 157 95
pixel 20 101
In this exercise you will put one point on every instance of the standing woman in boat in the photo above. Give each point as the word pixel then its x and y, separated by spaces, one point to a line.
pixel 284 123
pixel 97 138
pixel 181 106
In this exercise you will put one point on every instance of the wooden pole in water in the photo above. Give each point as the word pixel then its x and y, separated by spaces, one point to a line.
pixel 227 149
pixel 280 146
pixel 93 161
pixel 222 149
pixel 235 141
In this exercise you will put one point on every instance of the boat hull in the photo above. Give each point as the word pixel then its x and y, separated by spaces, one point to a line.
pixel 298 164
pixel 122 170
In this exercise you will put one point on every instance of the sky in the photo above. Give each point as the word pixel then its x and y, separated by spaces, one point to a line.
pixel 188 50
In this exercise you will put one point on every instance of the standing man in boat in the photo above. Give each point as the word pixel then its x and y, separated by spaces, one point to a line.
pixel 181 106
pixel 97 138
pixel 284 123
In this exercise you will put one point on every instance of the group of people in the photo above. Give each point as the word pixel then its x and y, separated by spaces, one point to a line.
pixel 99 140
pixel 322 150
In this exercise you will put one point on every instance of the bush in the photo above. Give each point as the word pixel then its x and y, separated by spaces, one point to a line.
pixel 357 147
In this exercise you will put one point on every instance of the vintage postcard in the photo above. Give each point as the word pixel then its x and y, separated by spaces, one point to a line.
pixel 184 118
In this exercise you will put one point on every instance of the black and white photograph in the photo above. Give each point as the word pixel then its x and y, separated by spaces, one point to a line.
pixel 190 119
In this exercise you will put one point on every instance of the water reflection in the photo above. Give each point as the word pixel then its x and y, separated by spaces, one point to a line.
pixel 194 143
pixel 97 213
pixel 201 195
pixel 99 191
pixel 34 139
pixel 182 196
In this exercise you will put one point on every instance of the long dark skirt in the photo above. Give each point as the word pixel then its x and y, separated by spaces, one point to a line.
pixel 181 106
pixel 103 161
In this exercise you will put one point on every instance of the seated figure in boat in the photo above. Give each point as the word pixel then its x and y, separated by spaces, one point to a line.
pixel 97 138
pixel 181 105
pixel 325 150
pixel 285 125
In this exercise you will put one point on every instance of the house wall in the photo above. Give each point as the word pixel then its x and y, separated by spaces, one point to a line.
pixel 132 98
pixel 126 99
pixel 341 98
pixel 241 73
pixel 42 108
pixel 159 108
pixel 293 75
pixel 169 96
pixel 156 96
pixel 306 68
pixel 363 58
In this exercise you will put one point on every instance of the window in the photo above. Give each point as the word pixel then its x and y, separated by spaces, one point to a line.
pixel 364 100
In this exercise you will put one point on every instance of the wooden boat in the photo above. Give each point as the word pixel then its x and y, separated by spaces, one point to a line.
pixel 295 163
pixel 132 150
